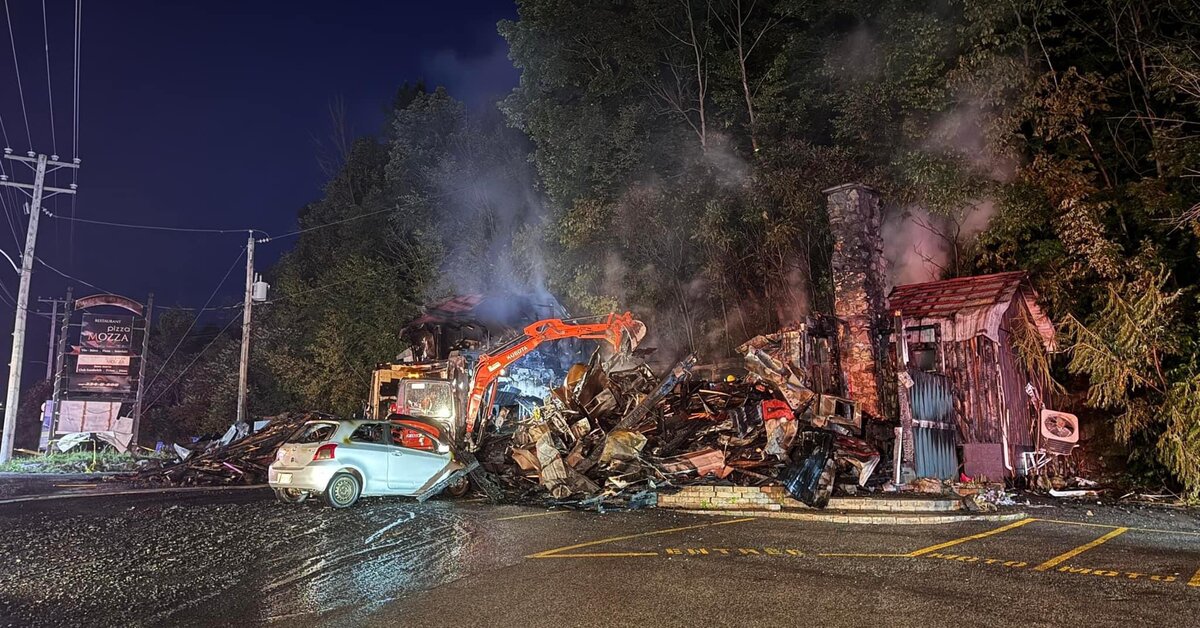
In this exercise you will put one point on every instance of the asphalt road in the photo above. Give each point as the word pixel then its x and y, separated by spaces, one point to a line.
pixel 238 558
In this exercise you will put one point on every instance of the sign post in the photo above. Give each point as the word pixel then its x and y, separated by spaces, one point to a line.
pixel 100 368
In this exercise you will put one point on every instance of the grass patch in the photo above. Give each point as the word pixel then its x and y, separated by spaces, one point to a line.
pixel 82 461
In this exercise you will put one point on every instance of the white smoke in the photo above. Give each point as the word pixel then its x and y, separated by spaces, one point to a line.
pixel 921 246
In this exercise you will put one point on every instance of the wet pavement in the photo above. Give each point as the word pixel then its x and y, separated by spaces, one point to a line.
pixel 235 557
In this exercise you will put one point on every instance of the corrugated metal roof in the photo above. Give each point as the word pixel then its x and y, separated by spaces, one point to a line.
pixel 936 299
pixel 966 306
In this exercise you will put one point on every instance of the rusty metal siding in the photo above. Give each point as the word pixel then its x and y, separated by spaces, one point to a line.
pixel 1022 419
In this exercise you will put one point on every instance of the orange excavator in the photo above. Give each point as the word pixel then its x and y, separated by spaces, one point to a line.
pixel 458 393
pixel 453 398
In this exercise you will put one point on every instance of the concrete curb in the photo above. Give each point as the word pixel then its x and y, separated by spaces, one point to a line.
pixel 136 491
pixel 22 475
pixel 863 519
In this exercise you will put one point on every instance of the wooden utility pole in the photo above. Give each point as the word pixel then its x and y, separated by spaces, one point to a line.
pixel 244 366
pixel 141 389
pixel 53 334
pixel 60 362
pixel 36 191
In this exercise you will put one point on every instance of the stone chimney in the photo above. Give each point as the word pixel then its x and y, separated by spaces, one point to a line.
pixel 859 297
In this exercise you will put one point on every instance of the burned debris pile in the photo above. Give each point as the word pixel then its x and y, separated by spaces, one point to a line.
pixel 615 434
pixel 235 458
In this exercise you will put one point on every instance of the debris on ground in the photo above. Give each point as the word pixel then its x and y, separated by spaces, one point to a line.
pixel 615 433
pixel 237 457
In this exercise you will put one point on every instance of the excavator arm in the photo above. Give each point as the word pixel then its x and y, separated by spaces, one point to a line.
pixel 491 366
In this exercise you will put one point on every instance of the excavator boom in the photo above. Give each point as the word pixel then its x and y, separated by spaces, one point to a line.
pixel 491 366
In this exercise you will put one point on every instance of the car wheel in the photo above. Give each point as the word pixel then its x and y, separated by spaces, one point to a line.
pixel 459 488
pixel 343 491
pixel 290 495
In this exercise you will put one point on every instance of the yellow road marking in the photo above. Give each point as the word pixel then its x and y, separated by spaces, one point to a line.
pixel 536 514
pixel 1195 581
pixel 1065 556
pixel 1112 527
pixel 934 548
pixel 597 555
pixel 556 552
pixel 866 555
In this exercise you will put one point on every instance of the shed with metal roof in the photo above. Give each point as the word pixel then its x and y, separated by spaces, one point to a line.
pixel 970 350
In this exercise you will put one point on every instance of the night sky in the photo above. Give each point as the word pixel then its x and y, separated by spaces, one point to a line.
pixel 208 114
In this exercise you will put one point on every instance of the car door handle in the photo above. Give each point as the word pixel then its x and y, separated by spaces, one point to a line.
pixel 397 453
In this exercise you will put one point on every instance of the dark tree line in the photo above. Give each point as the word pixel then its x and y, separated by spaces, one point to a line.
pixel 667 156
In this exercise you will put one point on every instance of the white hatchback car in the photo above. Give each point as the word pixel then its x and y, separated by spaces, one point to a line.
pixel 342 460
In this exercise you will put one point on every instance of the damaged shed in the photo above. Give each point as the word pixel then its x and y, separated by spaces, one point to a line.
pixel 972 356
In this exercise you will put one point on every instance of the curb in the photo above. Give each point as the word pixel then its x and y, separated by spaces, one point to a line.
pixel 136 491
pixel 22 475
pixel 861 519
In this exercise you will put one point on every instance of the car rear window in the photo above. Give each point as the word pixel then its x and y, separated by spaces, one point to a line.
pixel 314 433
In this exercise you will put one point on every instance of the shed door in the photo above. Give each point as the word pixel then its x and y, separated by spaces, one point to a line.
pixel 933 426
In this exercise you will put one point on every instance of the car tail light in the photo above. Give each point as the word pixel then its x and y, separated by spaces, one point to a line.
pixel 325 452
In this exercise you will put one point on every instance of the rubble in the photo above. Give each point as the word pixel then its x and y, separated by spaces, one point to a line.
pixel 613 434
pixel 235 458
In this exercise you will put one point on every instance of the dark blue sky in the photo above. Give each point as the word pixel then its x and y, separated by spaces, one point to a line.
pixel 207 114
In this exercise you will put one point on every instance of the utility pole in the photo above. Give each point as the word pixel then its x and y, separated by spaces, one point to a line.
pixel 60 363
pixel 244 367
pixel 141 389
pixel 53 334
pixel 36 190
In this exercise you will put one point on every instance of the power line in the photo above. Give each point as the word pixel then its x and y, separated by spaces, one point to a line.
pixel 269 238
pixel 12 227
pixel 75 131
pixel 193 362
pixel 128 225
pixel 197 319
pixel 72 278
pixel 217 308
pixel 9 193
pixel 75 125
pixel 168 307
pixel 17 67
pixel 49 85
pixel 10 300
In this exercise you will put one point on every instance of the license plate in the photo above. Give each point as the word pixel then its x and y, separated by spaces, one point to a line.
pixel 284 478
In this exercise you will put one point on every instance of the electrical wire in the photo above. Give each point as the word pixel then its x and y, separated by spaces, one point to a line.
pixel 218 308
pixel 8 192
pixel 197 319
pixel 323 225
pixel 75 122
pixel 128 225
pixel 158 307
pixel 72 278
pixel 9 217
pixel 11 300
pixel 75 128
pixel 17 67
pixel 193 362
pixel 49 83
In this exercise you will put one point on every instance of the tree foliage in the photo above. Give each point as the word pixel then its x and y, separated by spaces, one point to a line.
pixel 1042 135
pixel 668 156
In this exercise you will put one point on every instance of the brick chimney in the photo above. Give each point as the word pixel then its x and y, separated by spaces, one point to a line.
pixel 859 291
